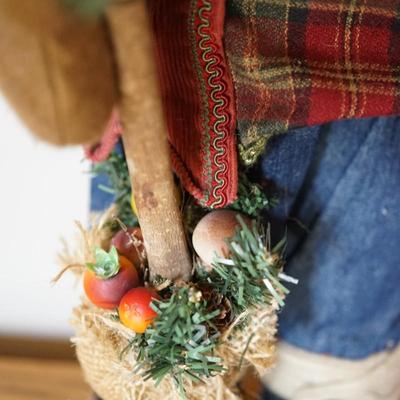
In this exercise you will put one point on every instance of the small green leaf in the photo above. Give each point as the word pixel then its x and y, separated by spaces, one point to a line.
pixel 106 265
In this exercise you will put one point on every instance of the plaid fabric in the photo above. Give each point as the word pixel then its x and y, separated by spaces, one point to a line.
pixel 305 62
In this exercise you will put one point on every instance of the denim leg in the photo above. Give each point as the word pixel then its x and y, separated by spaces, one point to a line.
pixel 100 200
pixel 342 200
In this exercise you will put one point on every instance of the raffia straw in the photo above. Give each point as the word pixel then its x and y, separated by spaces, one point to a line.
pixel 100 340
pixel 68 267
pixel 86 240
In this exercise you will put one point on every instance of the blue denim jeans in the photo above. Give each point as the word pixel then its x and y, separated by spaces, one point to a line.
pixel 339 187
pixel 100 200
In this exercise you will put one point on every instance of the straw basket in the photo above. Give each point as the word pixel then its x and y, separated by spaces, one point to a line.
pixel 100 342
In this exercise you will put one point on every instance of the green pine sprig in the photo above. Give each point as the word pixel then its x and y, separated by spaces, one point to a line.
pixel 183 338
pixel 252 199
pixel 253 273
pixel 181 341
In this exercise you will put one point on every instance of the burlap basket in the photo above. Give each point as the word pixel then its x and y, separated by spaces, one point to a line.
pixel 100 342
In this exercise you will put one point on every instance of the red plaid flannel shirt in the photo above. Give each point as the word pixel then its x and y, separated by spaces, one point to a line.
pixel 306 62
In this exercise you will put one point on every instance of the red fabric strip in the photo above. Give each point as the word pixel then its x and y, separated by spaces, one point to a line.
pixel 198 96
pixel 100 151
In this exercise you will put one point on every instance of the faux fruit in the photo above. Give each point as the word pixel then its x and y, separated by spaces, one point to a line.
pixel 106 281
pixel 124 243
pixel 135 311
pixel 209 236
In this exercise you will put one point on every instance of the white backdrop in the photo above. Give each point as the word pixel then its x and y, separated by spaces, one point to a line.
pixel 43 189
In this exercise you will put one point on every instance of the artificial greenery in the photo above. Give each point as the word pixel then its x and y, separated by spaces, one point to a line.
pixel 251 199
pixel 191 317
pixel 107 263
pixel 181 340
pixel 252 274
pixel 116 170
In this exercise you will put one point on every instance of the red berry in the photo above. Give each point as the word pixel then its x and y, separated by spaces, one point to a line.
pixel 135 311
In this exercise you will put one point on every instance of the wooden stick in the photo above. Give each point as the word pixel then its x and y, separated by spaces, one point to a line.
pixel 145 142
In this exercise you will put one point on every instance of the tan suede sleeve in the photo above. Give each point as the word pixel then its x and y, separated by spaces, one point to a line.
pixel 56 70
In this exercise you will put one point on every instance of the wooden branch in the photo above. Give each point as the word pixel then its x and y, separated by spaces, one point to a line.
pixel 145 142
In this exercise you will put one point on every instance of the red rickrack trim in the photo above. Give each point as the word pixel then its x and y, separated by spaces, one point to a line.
pixel 101 151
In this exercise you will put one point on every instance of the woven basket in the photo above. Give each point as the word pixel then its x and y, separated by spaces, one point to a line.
pixel 100 342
